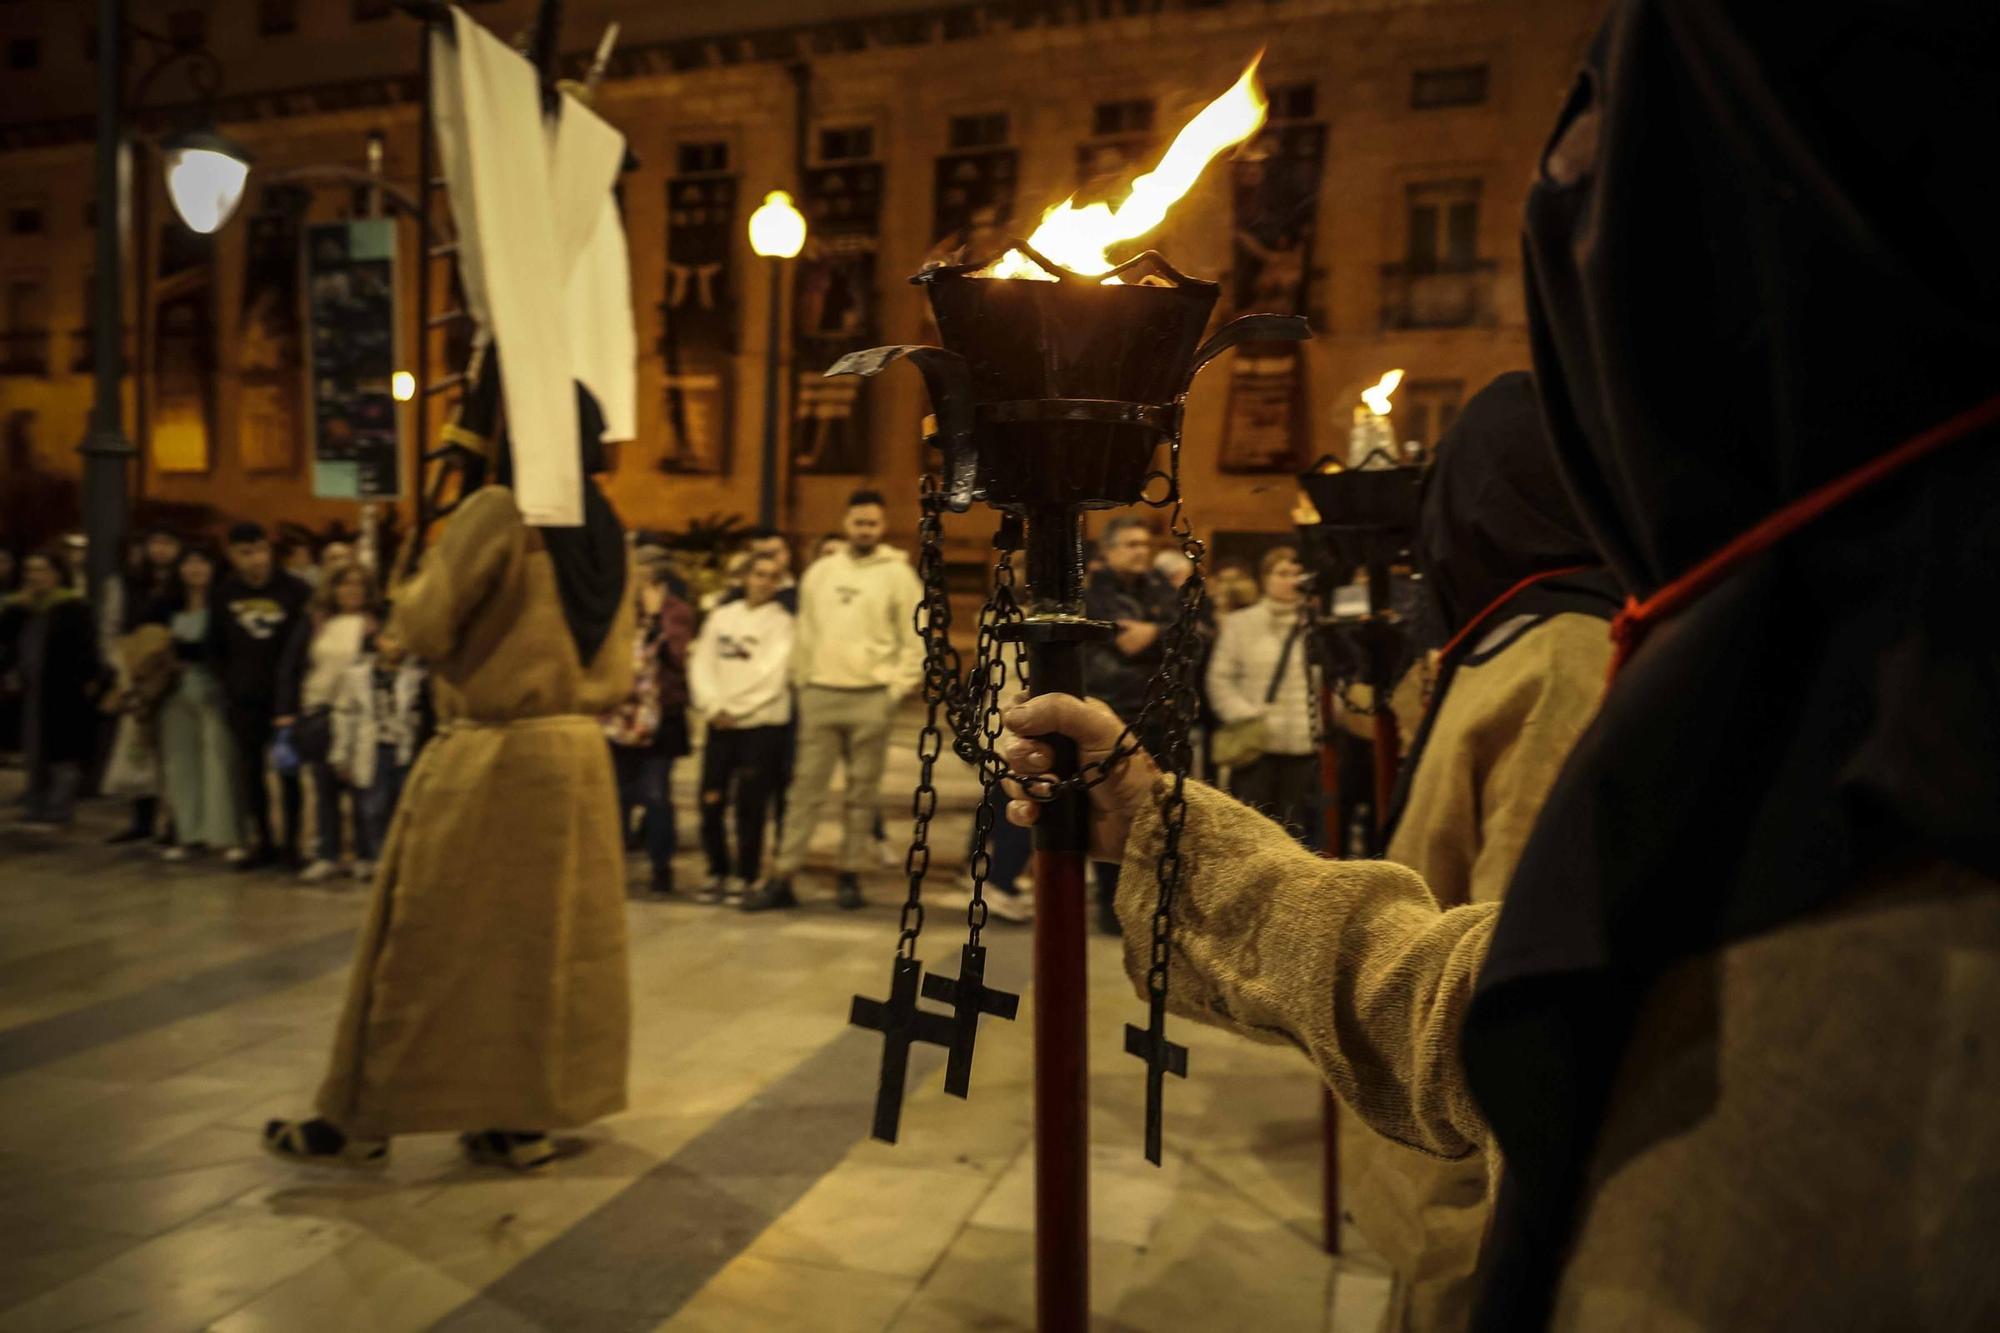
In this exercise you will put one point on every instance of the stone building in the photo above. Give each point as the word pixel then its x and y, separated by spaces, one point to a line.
pixel 1382 200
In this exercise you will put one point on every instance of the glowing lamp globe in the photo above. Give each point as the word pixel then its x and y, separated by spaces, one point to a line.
pixel 206 174
pixel 777 229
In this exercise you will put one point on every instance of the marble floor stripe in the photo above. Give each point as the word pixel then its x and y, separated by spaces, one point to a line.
pixel 630 1264
pixel 59 1036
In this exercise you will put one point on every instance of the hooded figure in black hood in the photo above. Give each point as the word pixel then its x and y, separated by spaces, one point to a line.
pixel 1525 611
pixel 1732 1031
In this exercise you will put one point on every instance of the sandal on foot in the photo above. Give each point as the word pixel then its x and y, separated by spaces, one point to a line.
pixel 316 1140
pixel 498 1147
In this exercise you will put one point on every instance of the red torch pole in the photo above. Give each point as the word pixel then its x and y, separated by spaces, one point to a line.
pixel 1062 1090
pixel 1330 848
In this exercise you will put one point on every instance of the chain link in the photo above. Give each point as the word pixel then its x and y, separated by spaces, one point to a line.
pixel 933 625
pixel 1181 694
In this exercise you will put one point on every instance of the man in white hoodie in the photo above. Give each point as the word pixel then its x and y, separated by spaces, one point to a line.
pixel 856 655
pixel 739 678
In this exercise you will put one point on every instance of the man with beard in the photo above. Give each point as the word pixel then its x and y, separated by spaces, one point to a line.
pixel 855 655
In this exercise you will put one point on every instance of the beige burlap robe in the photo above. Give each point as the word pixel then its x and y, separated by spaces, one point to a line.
pixel 490 985
pixel 1502 732
pixel 1801 1136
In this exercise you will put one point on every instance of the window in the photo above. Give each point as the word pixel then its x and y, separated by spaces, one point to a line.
pixel 24 326
pixel 23 53
pixel 367 11
pixel 695 158
pixel 982 131
pixel 1425 410
pixel 1129 117
pixel 275 18
pixel 848 143
pixel 1458 85
pixel 24 220
pixel 1294 101
pixel 1443 231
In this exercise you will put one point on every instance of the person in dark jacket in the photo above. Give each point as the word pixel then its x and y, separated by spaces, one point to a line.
pixel 1130 593
pixel 257 610
pixel 48 652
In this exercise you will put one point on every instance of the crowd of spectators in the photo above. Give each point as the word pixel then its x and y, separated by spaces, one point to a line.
pixel 255 705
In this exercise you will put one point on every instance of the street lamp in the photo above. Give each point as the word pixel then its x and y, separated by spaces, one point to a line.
pixel 778 233
pixel 206 173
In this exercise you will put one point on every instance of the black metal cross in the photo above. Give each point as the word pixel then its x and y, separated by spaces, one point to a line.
pixel 900 1022
pixel 969 997
pixel 1162 1057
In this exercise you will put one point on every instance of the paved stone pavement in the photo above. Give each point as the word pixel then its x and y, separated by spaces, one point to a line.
pixel 153 1016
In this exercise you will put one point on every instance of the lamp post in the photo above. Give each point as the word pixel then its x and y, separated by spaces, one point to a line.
pixel 205 174
pixel 106 451
pixel 778 233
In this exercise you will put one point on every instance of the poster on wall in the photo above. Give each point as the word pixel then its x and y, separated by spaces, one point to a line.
pixel 184 358
pixel 270 344
pixel 350 281
pixel 974 201
pixel 1276 192
pixel 834 313
pixel 698 323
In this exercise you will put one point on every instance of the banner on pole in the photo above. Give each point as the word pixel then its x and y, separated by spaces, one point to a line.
pixel 1266 427
pixel 698 322
pixel 351 305
pixel 834 312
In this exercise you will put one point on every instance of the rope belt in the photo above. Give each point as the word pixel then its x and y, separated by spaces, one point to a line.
pixel 1639 617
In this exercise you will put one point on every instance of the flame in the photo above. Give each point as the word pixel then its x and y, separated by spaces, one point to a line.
pixel 1077 238
pixel 1377 398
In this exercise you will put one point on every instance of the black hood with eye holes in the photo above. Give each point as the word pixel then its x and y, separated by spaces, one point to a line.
pixel 1757 258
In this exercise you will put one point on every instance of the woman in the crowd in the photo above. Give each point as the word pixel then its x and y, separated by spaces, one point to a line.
pixel 648 730
pixel 197 750
pixel 134 599
pixel 1522 605
pixel 48 653
pixel 328 641
pixel 1729 1032
pixel 490 992
pixel 1258 691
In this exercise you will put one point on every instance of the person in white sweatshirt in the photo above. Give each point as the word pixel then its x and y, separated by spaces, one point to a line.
pixel 856 656
pixel 739 680
pixel 1258 673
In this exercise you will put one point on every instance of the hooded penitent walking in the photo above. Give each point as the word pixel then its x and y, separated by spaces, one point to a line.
pixel 490 992
pixel 1517 590
pixel 1730 1034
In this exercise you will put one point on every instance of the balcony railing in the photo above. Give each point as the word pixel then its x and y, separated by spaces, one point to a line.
pixel 1438 296
pixel 24 352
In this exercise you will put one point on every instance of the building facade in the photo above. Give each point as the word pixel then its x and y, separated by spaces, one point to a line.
pixel 1383 201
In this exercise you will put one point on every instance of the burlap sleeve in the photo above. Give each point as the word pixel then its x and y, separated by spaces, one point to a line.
pixel 1351 961
pixel 471 554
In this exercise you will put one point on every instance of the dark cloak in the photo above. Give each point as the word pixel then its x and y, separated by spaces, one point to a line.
pixel 1494 513
pixel 589 559
pixel 1758 256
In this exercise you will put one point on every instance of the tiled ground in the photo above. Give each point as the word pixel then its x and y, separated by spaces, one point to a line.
pixel 151 1017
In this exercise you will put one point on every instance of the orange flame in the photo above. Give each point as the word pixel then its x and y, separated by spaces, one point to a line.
pixel 1377 398
pixel 1077 238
